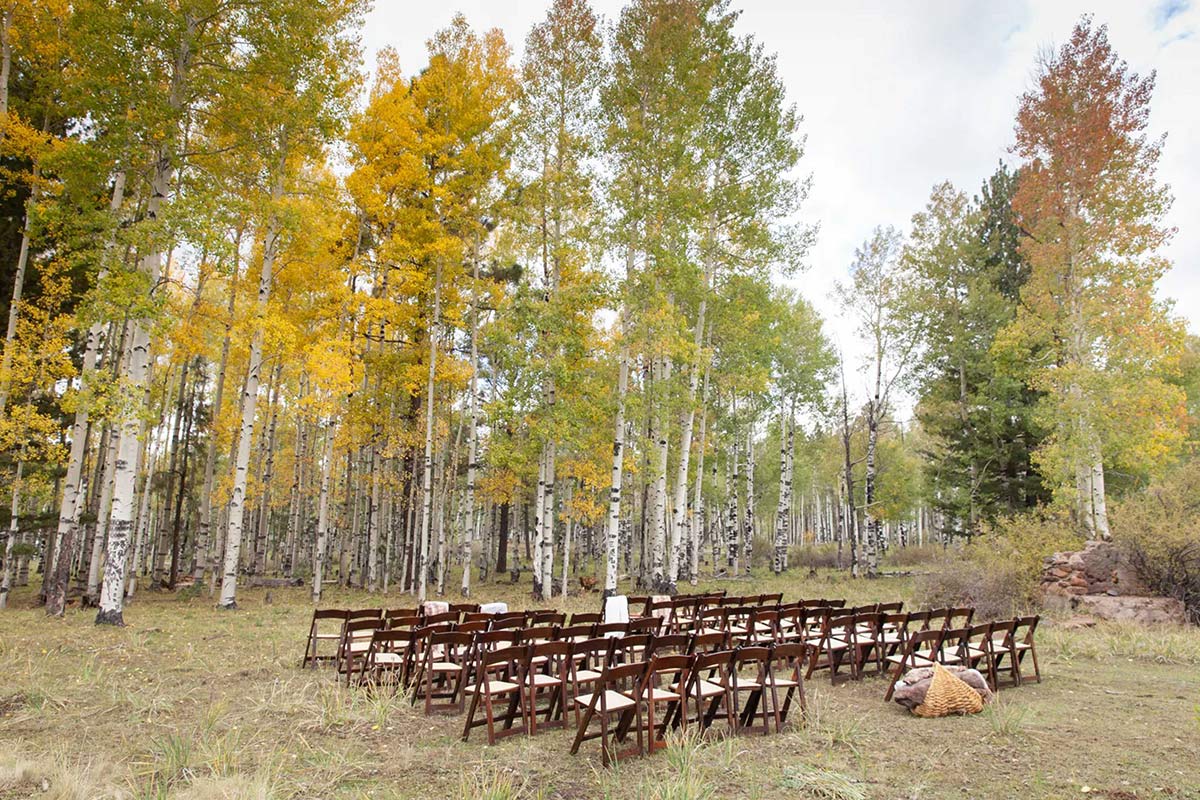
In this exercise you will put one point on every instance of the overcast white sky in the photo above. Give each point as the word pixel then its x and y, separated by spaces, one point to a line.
pixel 898 96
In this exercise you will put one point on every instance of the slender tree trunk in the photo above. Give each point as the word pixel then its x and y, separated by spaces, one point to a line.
pixel 472 442
pixel 783 515
pixel 748 526
pixel 427 475
pixel 323 514
pixel 249 404
pixel 612 534
pixel 203 557
pixel 6 581
pixel 873 527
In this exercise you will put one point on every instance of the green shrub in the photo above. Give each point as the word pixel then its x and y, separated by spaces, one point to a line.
pixel 1160 529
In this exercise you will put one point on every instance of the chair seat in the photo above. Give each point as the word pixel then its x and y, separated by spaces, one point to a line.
pixel 737 630
pixel 539 680
pixel 660 695
pixel 781 682
pixel 387 658
pixel 586 675
pixel 327 636
pixel 615 701
pixel 445 666
pixel 746 685
pixel 493 687
pixel 360 646
pixel 915 661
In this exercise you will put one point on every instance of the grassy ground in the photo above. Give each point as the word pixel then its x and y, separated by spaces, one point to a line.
pixel 188 701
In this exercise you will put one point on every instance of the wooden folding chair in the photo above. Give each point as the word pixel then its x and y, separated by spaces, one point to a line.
pixel 834 645
pixel 546 676
pixel 665 670
pixel 588 660
pixel 629 648
pixel 947 650
pixel 330 631
pixel 1000 643
pixel 576 633
pixel 770 599
pixel 910 658
pixel 465 608
pixel 444 668
pixel 617 693
pixel 869 641
pixel 354 643
pixel 975 650
pixel 1022 642
pixel 706 690
pixel 384 657
pixel 500 674
pixel 784 671
pixel 746 673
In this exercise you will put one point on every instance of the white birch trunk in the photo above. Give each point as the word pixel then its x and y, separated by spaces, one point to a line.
pixel 547 536
pixel 321 544
pixel 427 477
pixel 249 405
pixel 612 537
pixel 6 581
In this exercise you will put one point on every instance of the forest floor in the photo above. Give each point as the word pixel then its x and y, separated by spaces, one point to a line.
pixel 191 702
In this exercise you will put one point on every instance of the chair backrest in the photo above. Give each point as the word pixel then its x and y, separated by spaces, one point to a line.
pixel 622 678
pixel 754 658
pixel 833 603
pixel 475 626
pixel 402 622
pixel 544 633
pixel 770 599
pixel 361 628
pixel 764 622
pixel 330 613
pixel 435 619
pixel 454 646
pixel 637 600
pixel 550 617
pixel 710 642
pixel 515 658
pixel 576 632
pixel 674 667
pixel 645 625
pixel 402 612
pixel 671 643
pixel 465 608
pixel 714 664
pixel 590 618
pixel 959 617
pixel 364 613
pixel 614 629
pixel 631 647
pixel 1023 629
pixel 592 654
pixel 955 640
pixel 918 620
pixel 891 608
pixel 791 655
pixel 928 639
pixel 557 656
pixel 508 623
pixel 476 616
pixel 388 641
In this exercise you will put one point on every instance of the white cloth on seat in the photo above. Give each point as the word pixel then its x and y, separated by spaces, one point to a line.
pixel 616 609
pixel 494 608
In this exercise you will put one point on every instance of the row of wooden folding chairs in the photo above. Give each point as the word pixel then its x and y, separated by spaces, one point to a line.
pixel 354 628
pixel 418 656
pixel 647 687
pixel 992 647
pixel 859 637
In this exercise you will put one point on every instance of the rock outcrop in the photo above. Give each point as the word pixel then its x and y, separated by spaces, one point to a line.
pixel 1100 581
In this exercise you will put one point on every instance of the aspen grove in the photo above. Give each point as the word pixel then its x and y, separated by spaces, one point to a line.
pixel 272 320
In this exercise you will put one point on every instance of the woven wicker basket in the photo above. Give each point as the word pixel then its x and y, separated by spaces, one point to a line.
pixel 948 694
